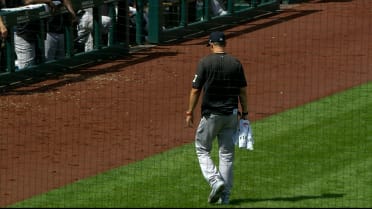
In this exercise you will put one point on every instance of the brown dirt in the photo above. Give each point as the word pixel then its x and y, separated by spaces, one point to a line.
pixel 94 119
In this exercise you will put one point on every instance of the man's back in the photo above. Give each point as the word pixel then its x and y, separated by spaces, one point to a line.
pixel 221 75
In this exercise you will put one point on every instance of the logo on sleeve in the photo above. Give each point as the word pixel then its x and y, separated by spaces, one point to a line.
pixel 195 77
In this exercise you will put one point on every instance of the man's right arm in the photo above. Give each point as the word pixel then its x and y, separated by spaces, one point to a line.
pixel 71 10
pixel 3 29
pixel 193 101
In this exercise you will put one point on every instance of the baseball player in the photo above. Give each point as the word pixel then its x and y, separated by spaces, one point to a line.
pixel 221 78
pixel 55 36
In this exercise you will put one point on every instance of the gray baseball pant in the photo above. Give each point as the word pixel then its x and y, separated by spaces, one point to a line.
pixel 222 128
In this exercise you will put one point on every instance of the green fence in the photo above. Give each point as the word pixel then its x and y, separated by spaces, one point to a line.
pixel 167 21
pixel 178 19
pixel 118 35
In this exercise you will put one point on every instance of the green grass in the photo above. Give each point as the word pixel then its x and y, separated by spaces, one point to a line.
pixel 316 155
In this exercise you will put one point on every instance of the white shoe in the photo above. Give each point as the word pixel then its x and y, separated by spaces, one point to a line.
pixel 216 192
pixel 223 12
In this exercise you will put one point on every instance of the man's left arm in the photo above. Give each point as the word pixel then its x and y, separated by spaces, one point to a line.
pixel 243 102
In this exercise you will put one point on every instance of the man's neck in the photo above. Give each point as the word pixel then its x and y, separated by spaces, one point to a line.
pixel 219 51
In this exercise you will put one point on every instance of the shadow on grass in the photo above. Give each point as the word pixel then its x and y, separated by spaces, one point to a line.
pixel 289 199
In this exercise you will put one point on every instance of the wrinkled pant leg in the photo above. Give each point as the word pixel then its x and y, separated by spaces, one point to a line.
pixel 25 51
pixel 54 46
pixel 106 26
pixel 205 134
pixel 227 152
pixel 216 7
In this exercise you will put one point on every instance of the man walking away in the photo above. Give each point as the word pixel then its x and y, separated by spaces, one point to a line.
pixel 221 78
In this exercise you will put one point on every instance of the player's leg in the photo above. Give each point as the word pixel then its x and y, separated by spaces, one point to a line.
pixel 226 154
pixel 50 46
pixel 25 51
pixel 206 133
pixel 61 52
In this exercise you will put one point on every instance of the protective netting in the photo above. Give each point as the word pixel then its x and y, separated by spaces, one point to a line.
pixel 114 135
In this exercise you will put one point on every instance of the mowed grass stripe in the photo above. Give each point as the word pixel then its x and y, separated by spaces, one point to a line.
pixel 316 155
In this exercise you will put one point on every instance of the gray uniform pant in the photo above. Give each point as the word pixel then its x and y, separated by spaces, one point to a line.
pixel 222 128
pixel 217 7
pixel 25 50
pixel 54 46
pixel 85 28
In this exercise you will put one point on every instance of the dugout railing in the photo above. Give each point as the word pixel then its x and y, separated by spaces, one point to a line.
pixel 39 12
pixel 168 20
pixel 172 20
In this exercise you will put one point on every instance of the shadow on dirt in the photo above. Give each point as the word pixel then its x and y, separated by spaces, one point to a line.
pixel 330 1
pixel 10 84
pixel 268 21
pixel 61 75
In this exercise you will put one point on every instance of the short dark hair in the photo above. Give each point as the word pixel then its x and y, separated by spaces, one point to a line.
pixel 219 43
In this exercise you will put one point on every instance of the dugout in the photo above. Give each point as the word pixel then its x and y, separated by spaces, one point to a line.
pixel 167 21
pixel 116 43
